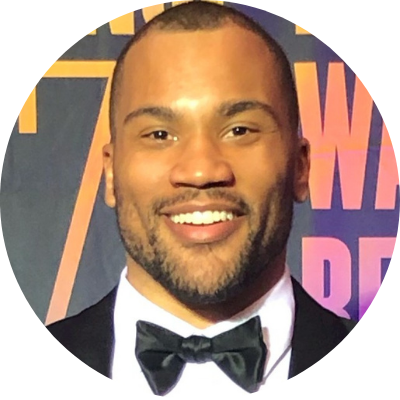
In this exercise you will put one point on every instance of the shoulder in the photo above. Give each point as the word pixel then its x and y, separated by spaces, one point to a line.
pixel 317 331
pixel 86 320
pixel 317 316
pixel 89 335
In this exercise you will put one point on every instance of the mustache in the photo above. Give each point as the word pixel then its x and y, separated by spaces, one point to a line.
pixel 209 194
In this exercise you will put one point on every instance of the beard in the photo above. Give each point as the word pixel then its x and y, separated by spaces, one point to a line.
pixel 181 271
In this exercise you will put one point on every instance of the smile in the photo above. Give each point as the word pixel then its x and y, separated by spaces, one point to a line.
pixel 202 217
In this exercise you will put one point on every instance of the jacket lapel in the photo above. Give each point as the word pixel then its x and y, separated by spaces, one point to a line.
pixel 90 334
pixel 317 331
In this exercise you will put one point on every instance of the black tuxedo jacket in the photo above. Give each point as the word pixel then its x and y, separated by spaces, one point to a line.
pixel 90 334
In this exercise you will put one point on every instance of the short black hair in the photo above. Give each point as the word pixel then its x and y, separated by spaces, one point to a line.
pixel 203 15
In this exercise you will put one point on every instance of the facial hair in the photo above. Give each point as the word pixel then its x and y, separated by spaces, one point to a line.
pixel 268 233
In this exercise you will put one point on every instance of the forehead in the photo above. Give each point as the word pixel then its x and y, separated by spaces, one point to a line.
pixel 225 63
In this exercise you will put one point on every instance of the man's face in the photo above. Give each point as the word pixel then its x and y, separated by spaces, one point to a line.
pixel 204 168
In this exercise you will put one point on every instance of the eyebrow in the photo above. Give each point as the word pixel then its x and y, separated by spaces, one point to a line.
pixel 232 108
pixel 226 109
pixel 164 113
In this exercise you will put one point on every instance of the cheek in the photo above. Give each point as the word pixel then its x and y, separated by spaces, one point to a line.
pixel 140 179
pixel 259 171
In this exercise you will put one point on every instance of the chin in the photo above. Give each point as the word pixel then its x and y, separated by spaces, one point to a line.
pixel 195 297
pixel 207 288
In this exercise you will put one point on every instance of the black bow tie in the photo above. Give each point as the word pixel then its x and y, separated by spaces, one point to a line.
pixel 162 354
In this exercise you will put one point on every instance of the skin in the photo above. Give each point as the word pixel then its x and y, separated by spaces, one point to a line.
pixel 217 133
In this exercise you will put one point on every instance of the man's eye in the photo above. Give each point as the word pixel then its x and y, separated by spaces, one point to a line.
pixel 238 131
pixel 161 135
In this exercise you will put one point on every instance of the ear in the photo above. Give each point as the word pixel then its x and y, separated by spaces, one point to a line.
pixel 109 195
pixel 302 171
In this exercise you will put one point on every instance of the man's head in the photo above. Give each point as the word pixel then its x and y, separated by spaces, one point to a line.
pixel 203 16
pixel 205 162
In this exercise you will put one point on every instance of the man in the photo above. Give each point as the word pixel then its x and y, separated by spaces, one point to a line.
pixel 203 168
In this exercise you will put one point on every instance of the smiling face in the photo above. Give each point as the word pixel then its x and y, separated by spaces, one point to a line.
pixel 204 167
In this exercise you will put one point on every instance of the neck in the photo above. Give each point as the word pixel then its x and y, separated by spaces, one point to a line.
pixel 204 316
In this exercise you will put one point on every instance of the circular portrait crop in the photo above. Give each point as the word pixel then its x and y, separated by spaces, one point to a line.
pixel 202 197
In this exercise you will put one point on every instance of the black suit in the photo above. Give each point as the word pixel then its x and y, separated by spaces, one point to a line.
pixel 90 334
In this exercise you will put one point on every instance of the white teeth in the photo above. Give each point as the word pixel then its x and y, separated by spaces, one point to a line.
pixel 197 218
pixel 208 217
pixel 188 218
pixel 216 216
pixel 202 218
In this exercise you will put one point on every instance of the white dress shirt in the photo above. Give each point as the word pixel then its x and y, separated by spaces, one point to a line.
pixel 275 309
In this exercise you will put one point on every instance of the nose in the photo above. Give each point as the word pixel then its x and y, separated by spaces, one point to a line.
pixel 201 165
